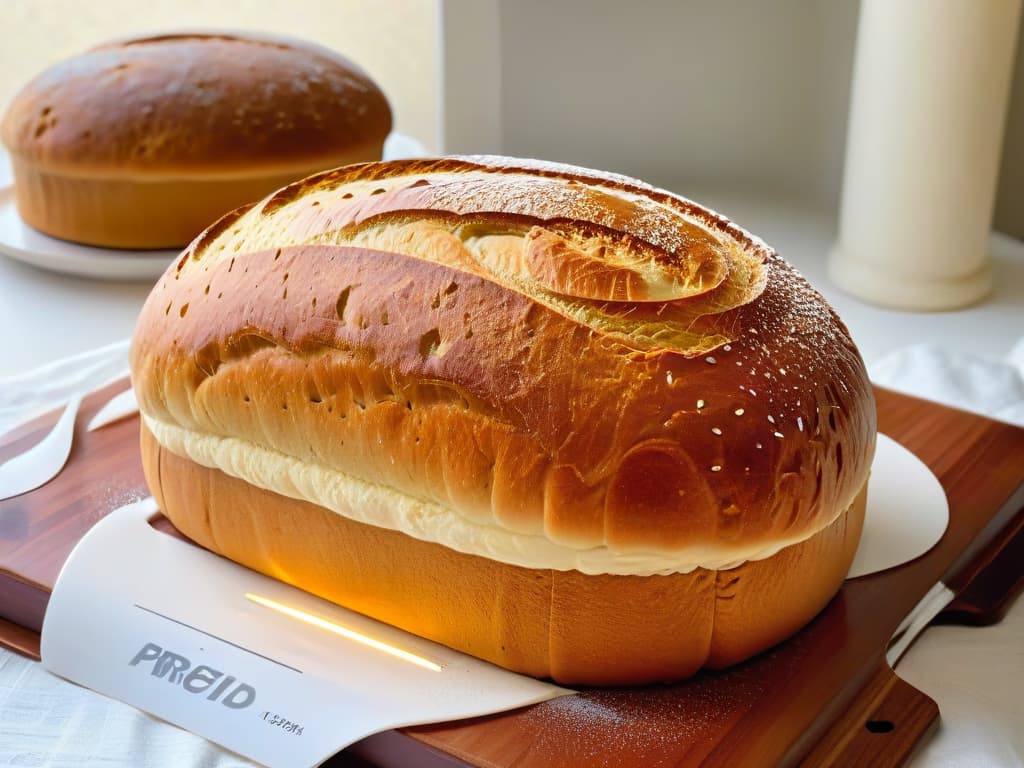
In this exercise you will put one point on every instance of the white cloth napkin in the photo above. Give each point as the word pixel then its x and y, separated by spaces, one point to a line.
pixel 974 674
pixel 49 723
pixel 31 394
pixel 994 388
pixel 45 721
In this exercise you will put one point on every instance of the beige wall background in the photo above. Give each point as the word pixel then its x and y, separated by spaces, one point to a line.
pixel 702 94
pixel 395 41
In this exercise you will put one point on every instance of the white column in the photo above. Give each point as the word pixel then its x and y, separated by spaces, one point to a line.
pixel 928 105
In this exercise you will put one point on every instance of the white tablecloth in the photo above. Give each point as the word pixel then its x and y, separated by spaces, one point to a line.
pixel 975 674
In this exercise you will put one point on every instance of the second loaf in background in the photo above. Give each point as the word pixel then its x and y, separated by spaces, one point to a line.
pixel 141 143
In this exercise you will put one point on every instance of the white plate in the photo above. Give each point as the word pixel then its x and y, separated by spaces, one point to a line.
pixel 20 241
pixel 907 510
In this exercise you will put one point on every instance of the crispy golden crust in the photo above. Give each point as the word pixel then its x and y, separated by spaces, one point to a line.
pixel 437 345
pixel 594 630
pixel 195 104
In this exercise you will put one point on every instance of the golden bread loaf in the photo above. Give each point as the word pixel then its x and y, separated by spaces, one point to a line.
pixel 561 420
pixel 142 143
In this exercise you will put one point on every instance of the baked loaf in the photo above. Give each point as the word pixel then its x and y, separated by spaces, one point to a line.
pixel 554 418
pixel 141 144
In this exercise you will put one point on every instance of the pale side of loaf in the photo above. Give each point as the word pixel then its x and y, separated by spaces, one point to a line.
pixel 141 143
pixel 573 360
pixel 565 625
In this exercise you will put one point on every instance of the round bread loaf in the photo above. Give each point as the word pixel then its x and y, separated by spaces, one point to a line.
pixel 557 419
pixel 142 143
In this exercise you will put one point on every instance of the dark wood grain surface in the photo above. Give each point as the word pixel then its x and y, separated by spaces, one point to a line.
pixel 824 697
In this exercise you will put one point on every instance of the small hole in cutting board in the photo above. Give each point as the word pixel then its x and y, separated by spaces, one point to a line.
pixel 880 726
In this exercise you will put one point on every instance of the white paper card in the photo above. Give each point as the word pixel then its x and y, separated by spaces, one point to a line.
pixel 907 510
pixel 120 406
pixel 168 628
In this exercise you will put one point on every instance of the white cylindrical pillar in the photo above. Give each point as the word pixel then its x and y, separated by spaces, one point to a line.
pixel 928 103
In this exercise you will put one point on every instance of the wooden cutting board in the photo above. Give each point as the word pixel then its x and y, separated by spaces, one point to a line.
pixel 826 696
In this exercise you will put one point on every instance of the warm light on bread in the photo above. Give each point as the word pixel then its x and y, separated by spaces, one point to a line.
pixel 142 143
pixel 557 419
